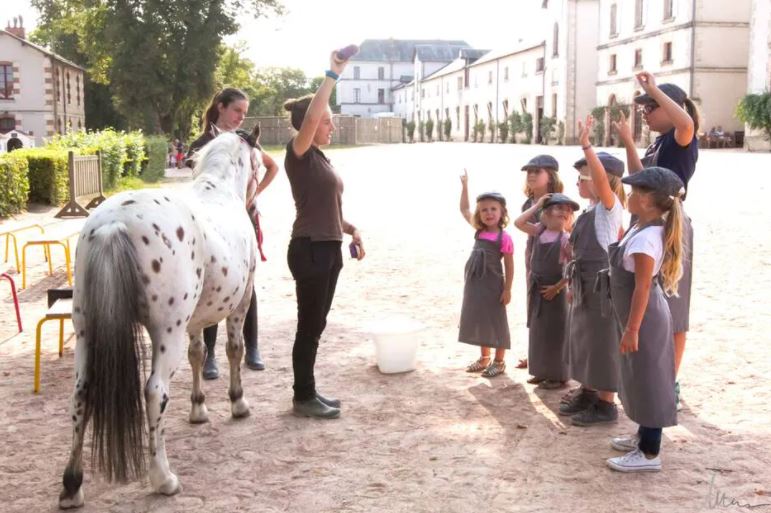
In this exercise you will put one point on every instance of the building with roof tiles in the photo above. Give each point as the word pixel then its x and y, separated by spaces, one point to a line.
pixel 41 93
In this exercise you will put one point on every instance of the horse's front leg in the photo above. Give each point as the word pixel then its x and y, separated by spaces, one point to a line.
pixel 235 351
pixel 72 494
pixel 196 354
pixel 168 347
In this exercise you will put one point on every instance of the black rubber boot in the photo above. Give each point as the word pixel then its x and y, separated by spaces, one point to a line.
pixel 314 408
pixel 253 359
pixel 210 370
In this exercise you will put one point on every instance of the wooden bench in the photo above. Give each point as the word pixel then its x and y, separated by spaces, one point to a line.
pixel 60 236
pixel 10 231
pixel 85 182
pixel 61 310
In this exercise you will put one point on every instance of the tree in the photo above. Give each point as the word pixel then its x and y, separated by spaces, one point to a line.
pixel 273 86
pixel 755 110
pixel 447 129
pixel 430 129
pixel 159 58
pixel 547 128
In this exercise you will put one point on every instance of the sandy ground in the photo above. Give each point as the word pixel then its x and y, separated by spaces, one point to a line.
pixel 436 439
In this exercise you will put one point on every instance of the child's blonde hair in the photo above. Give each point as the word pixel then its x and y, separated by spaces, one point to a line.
pixel 476 220
pixel 618 188
pixel 672 265
pixel 555 184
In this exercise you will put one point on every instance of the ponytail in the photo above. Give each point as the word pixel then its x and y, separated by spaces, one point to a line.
pixel 671 267
pixel 225 97
pixel 618 188
pixel 297 108
pixel 692 111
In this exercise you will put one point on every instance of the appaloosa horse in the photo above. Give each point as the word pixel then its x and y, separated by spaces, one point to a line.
pixel 173 262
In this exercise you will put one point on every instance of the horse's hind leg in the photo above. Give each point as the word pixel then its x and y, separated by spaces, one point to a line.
pixel 196 354
pixel 168 347
pixel 235 351
pixel 71 495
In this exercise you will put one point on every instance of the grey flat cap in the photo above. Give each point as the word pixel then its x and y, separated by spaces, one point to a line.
pixel 612 165
pixel 546 161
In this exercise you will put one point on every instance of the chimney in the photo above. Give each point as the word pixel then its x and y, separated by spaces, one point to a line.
pixel 18 27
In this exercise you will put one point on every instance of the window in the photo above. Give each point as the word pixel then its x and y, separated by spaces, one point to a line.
pixel 506 74
pixel 638 59
pixel 554 105
pixel 438 90
pixel 422 93
pixel 465 77
pixel 69 89
pixel 666 58
pixel 539 65
pixel 457 116
pixel 6 81
pixel 381 73
pixel 357 95
pixel 669 9
pixel 356 72
pixel 638 14
pixel 77 89
pixel 7 123
pixel 447 88
pixel 613 26
pixel 460 83
pixel 612 65
pixel 524 69
pixel 381 95
pixel 489 77
pixel 506 109
pixel 555 51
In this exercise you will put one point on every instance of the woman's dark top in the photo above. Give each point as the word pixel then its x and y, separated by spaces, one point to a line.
pixel 317 190
pixel 666 152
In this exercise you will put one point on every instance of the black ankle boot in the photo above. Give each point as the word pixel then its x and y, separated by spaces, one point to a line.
pixel 253 359
pixel 314 408
pixel 332 403
pixel 210 370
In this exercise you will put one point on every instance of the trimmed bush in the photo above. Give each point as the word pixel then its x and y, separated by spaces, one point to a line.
pixel 14 182
pixel 135 153
pixel 155 168
pixel 48 178
pixel 430 129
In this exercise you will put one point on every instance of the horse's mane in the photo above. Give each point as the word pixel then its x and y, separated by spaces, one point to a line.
pixel 217 152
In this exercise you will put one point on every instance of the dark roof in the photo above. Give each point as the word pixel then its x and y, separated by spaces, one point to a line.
pixel 24 42
pixel 472 54
pixel 403 50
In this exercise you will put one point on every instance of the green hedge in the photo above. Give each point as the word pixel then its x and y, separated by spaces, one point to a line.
pixel 155 168
pixel 14 183
pixel 48 177
pixel 123 154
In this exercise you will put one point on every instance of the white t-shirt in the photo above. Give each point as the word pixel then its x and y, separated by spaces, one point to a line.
pixel 607 223
pixel 649 241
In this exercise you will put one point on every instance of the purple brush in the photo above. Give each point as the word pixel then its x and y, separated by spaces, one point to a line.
pixel 346 53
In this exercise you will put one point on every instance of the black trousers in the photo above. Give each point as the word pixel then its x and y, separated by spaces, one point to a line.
pixel 250 328
pixel 315 267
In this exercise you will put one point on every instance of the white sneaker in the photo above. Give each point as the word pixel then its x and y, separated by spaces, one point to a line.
pixel 625 443
pixel 635 461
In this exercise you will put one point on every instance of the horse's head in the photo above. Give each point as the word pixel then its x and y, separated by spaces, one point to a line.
pixel 228 157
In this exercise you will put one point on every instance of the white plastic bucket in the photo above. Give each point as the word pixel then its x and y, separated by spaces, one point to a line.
pixel 396 344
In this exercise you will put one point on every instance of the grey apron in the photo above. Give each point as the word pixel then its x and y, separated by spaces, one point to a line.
pixel 647 385
pixel 591 350
pixel 483 320
pixel 546 319
pixel 679 305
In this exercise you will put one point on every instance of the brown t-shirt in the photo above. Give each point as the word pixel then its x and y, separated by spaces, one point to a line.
pixel 317 191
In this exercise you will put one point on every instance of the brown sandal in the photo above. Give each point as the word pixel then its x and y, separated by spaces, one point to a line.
pixel 478 365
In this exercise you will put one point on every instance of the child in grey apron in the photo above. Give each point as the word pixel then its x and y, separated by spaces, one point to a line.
pixel 547 316
pixel 647 374
pixel 487 288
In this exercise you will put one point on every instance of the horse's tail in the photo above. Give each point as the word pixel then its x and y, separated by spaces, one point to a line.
pixel 110 297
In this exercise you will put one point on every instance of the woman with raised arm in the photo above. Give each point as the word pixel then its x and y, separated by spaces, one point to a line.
pixel 667 110
pixel 315 257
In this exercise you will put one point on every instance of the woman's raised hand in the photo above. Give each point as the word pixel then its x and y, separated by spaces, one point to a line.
pixel 647 81
pixel 335 65
pixel 464 178
pixel 584 131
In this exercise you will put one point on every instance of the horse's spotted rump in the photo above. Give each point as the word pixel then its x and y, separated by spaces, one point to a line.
pixel 171 301
pixel 127 202
pixel 181 233
pixel 156 266
pixel 145 240
pixel 225 271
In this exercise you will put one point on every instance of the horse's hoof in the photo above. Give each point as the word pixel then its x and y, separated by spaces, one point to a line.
pixel 171 486
pixel 199 414
pixel 239 408
pixel 67 501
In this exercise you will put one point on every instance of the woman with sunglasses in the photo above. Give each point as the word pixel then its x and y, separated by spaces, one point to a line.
pixel 666 109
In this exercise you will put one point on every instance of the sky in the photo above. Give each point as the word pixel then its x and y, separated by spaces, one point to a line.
pixel 310 29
